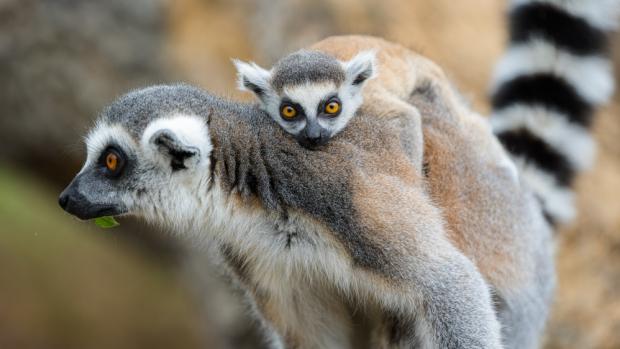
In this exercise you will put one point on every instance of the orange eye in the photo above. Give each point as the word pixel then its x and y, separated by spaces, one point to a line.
pixel 288 112
pixel 332 107
pixel 111 162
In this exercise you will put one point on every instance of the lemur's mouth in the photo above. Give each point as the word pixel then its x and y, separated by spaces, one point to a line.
pixel 80 207
pixel 86 212
pixel 107 211
pixel 312 144
pixel 313 147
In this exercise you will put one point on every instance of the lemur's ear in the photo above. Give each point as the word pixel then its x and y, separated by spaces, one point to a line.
pixel 180 155
pixel 251 77
pixel 360 68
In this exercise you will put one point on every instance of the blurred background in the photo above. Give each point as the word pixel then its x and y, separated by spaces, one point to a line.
pixel 69 284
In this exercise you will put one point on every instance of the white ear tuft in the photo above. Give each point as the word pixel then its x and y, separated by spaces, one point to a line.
pixel 361 68
pixel 251 77
pixel 182 141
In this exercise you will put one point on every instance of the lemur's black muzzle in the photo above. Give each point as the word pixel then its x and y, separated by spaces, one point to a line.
pixel 313 136
pixel 75 203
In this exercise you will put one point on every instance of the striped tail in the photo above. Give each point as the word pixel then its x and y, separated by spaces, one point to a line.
pixel 547 86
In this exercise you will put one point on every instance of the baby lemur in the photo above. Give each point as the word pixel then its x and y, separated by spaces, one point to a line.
pixel 310 94
pixel 313 94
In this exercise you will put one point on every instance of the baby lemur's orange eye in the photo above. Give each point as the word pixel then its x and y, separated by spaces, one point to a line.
pixel 332 107
pixel 111 161
pixel 288 112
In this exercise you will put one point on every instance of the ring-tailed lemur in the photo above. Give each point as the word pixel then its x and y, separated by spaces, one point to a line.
pixel 310 94
pixel 545 91
pixel 231 198
pixel 361 231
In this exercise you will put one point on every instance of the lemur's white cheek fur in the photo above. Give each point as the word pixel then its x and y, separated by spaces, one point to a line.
pixel 352 99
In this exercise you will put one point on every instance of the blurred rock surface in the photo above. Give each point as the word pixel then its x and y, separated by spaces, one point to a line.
pixel 60 62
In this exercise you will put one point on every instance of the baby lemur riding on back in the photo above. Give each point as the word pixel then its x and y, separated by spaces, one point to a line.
pixel 310 94
pixel 313 94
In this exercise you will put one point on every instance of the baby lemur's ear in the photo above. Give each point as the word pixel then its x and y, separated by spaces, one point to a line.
pixel 360 68
pixel 251 77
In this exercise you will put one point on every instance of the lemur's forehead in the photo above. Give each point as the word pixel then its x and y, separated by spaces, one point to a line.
pixel 310 94
pixel 190 129
pixel 104 135
pixel 304 67
pixel 136 110
pixel 125 120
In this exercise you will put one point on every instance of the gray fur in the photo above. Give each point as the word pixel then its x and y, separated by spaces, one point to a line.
pixel 306 66
pixel 252 155
pixel 260 160
pixel 136 109
pixel 523 314
pixel 264 162
pixel 307 81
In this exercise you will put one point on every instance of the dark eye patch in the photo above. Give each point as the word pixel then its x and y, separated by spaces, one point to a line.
pixel 121 161
pixel 298 108
pixel 330 98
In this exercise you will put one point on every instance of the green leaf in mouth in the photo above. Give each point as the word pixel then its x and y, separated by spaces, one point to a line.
pixel 106 222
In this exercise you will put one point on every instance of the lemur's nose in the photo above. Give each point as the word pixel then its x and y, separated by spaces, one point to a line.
pixel 313 130
pixel 314 140
pixel 63 200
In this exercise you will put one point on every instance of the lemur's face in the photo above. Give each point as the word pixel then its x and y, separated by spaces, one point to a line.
pixel 151 173
pixel 312 96
pixel 314 112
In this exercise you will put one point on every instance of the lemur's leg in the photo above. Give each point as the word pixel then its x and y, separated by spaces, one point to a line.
pixel 453 308
pixel 520 268
pixel 234 265
pixel 308 317
pixel 293 313
pixel 432 294
pixel 523 314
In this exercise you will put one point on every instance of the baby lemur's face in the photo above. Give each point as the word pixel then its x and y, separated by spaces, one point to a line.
pixel 310 94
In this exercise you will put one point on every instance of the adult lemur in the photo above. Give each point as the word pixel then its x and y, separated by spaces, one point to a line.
pixel 429 261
